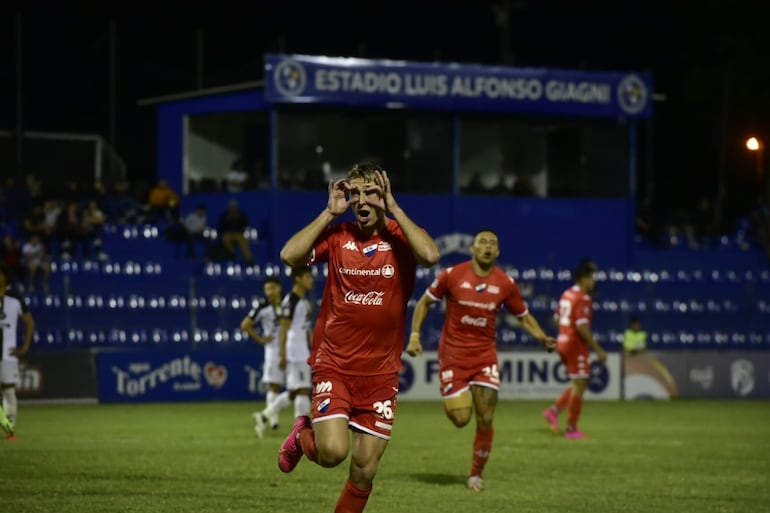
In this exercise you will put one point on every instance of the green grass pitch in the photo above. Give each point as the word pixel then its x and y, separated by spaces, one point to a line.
pixel 679 456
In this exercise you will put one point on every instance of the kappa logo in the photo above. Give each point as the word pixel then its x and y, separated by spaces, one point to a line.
pixel 350 245
pixel 323 387
pixel 465 285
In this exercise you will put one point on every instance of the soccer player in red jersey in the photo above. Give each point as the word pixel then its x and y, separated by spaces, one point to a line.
pixel 358 341
pixel 474 291
pixel 575 337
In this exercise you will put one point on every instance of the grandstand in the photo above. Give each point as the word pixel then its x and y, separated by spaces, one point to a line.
pixel 152 297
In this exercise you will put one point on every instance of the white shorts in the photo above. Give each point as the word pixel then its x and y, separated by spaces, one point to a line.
pixel 272 373
pixel 9 372
pixel 298 376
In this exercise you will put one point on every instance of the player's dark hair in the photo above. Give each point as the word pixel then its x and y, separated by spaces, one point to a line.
pixel 490 230
pixel 585 268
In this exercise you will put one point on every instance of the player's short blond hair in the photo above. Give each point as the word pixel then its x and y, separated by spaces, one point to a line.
pixel 364 170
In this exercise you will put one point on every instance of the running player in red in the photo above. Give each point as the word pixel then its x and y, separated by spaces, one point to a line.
pixel 575 338
pixel 356 353
pixel 474 291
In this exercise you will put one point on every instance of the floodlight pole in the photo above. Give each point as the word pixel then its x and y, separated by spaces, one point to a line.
pixel 113 84
pixel 19 103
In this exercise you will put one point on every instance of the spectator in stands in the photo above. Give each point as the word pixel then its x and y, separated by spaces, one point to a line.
pixel 36 263
pixel 69 229
pixel 634 338
pixel 35 224
pixel 524 186
pixel 475 185
pixel 236 178
pixel 74 194
pixel 163 202
pixel 93 228
pixel 99 194
pixel 195 225
pixel 10 258
pixel 121 205
pixel 231 228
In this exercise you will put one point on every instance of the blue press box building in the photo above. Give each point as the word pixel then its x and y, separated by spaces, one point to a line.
pixel 150 324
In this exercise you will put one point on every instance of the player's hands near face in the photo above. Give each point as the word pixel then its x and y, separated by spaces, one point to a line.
pixel 414 348
pixel 384 199
pixel 338 197
pixel 549 343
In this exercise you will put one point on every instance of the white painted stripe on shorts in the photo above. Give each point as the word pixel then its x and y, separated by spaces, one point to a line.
pixel 485 384
pixel 369 431
pixel 328 417
pixel 456 394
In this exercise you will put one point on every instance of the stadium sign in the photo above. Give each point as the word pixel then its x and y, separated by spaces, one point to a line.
pixel 523 375
pixel 455 87
pixel 146 376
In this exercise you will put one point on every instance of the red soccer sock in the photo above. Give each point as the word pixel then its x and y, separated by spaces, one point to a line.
pixel 352 499
pixel 575 405
pixel 482 446
pixel 563 399
pixel 307 442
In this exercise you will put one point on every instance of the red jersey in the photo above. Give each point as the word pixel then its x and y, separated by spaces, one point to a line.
pixel 575 308
pixel 361 323
pixel 472 304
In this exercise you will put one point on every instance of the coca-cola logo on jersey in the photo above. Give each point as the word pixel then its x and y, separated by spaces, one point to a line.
pixel 371 298
pixel 474 321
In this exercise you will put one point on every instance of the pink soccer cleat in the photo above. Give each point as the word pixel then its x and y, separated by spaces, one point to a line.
pixel 551 419
pixel 291 451
pixel 574 434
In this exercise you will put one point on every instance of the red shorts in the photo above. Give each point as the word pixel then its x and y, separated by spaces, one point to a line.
pixel 367 402
pixel 574 356
pixel 457 376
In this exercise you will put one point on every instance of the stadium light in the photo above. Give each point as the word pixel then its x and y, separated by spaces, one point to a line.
pixel 754 144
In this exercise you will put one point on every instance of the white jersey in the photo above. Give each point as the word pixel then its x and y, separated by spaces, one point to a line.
pixel 12 307
pixel 267 317
pixel 297 310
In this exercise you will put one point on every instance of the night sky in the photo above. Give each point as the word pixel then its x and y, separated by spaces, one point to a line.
pixel 711 62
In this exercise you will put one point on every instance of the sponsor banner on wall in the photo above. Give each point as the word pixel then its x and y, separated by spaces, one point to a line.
pixel 697 375
pixel 57 375
pixel 142 376
pixel 523 375
pixel 455 87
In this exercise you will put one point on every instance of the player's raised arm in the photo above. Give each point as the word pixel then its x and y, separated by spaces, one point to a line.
pixel 423 246
pixel 298 248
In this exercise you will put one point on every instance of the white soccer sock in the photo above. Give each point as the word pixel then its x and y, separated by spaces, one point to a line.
pixel 271 396
pixel 301 405
pixel 278 404
pixel 9 403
